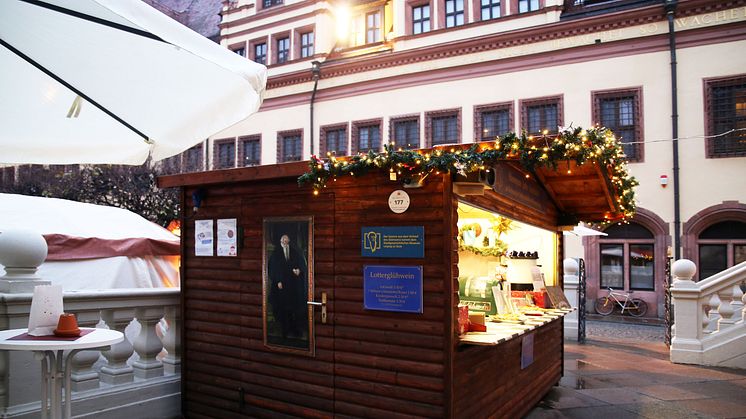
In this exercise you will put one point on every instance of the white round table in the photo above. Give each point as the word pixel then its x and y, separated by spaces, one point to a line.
pixel 53 370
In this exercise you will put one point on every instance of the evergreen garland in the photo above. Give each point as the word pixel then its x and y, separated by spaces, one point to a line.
pixel 596 144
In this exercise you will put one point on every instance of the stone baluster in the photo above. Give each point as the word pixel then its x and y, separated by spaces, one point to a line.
pixel 172 341
pixel 116 370
pixel 725 309
pixel 83 376
pixel 685 343
pixel 737 303
pixel 4 379
pixel 743 301
pixel 705 319
pixel 147 344
pixel 712 313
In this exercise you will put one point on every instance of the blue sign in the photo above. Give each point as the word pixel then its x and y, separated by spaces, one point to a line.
pixel 393 242
pixel 393 288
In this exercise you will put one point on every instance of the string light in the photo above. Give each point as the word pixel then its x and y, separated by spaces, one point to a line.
pixel 593 146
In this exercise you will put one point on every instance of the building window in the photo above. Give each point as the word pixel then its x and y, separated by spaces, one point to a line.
pixel 271 3
pixel 333 140
pixel 490 9
pixel 627 258
pixel 225 154
pixel 541 115
pixel 454 13
pixel 721 246
pixel 366 136
pixel 289 146
pixel 491 121
pixel 240 51
pixel 283 50
pixel 404 132
pixel 421 19
pixel 372 27
pixel 249 150
pixel 306 44
pixel 194 159
pixel 620 112
pixel 260 53
pixel 443 127
pixel 726 111
pixel 527 5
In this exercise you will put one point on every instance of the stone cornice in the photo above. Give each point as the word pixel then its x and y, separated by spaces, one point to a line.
pixel 644 15
pixel 269 12
pixel 659 42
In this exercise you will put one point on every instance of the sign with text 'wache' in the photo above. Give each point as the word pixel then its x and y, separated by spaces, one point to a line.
pixel 393 288
pixel 393 242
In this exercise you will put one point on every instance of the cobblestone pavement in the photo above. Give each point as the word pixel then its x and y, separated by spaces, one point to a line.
pixel 624 371
pixel 624 331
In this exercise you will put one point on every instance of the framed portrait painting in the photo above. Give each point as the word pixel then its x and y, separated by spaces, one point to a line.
pixel 287 284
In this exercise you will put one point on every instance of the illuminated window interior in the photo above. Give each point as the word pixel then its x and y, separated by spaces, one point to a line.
pixel 485 237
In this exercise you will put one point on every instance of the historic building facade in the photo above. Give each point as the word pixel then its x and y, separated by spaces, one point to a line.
pixel 349 77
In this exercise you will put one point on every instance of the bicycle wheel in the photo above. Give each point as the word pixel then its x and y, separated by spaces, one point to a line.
pixel 604 306
pixel 639 309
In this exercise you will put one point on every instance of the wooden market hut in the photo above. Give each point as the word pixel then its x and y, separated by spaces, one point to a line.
pixel 363 363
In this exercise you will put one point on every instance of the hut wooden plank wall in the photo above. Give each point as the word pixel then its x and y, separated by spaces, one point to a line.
pixel 366 363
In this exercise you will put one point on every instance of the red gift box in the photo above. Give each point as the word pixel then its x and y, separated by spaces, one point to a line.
pixel 540 298
pixel 463 319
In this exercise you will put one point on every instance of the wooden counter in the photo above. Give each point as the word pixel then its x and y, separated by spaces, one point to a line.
pixel 489 381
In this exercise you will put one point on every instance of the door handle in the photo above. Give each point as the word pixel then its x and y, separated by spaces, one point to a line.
pixel 321 304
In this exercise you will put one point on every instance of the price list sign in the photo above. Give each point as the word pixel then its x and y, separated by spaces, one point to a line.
pixel 393 288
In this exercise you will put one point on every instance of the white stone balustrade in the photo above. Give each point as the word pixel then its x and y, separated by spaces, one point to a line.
pixel 708 317
pixel 104 380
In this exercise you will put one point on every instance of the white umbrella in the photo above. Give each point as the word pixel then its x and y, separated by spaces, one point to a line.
pixel 112 81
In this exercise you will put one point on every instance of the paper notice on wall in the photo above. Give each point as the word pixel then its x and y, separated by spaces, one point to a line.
pixel 227 237
pixel 203 237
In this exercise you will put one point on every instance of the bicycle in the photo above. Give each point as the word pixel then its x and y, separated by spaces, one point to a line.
pixel 634 306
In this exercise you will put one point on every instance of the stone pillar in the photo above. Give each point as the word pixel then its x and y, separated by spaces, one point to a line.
pixel 116 370
pixel 21 253
pixel 686 344
pixel 571 281
pixel 147 344
pixel 172 341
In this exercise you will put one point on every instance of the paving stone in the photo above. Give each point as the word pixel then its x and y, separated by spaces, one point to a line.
pixel 717 407
pixel 663 409
pixel 666 392
pixel 597 412
pixel 617 395
pixel 564 398
pixel 624 371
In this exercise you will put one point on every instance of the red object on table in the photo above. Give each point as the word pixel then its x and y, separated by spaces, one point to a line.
pixel 474 327
pixel 463 319
pixel 540 297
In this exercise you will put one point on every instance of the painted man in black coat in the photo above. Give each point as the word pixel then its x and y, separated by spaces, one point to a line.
pixel 287 271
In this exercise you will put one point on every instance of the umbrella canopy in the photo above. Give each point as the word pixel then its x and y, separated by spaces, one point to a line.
pixel 113 81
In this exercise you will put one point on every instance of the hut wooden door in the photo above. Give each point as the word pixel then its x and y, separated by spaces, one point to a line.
pixel 288 366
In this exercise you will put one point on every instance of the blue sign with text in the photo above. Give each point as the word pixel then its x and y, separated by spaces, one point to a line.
pixel 393 288
pixel 393 242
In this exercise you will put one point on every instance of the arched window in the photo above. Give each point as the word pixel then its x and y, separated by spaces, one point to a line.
pixel 721 246
pixel 628 258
